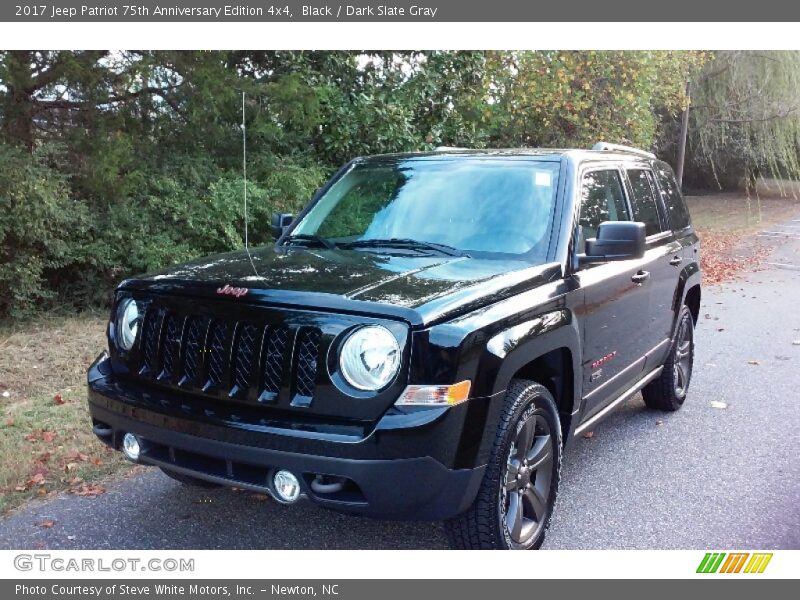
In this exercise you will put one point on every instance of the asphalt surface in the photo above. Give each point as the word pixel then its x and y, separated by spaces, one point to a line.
pixel 704 477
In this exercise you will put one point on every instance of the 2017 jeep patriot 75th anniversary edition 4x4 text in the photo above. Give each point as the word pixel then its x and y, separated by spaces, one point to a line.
pixel 421 341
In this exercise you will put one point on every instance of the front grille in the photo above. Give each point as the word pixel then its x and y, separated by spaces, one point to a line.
pixel 220 358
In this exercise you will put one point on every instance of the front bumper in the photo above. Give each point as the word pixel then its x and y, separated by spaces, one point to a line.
pixel 405 467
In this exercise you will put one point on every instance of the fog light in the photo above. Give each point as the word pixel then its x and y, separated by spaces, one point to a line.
pixel 131 447
pixel 286 486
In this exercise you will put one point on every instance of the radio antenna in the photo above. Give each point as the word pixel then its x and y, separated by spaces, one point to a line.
pixel 244 173
pixel 244 179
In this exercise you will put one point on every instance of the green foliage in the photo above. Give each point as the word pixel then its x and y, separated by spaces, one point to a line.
pixel 572 99
pixel 746 118
pixel 116 163
pixel 35 212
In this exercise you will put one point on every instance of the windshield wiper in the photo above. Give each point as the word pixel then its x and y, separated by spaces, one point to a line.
pixel 314 238
pixel 406 243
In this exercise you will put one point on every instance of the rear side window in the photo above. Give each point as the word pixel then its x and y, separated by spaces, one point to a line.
pixel 602 199
pixel 643 201
pixel 673 200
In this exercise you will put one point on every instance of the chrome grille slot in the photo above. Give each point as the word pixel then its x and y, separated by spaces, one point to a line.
pixel 150 342
pixel 217 354
pixel 276 341
pixel 193 350
pixel 244 356
pixel 307 352
pixel 171 345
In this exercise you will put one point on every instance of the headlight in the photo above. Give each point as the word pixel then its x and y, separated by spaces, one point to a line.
pixel 127 323
pixel 369 358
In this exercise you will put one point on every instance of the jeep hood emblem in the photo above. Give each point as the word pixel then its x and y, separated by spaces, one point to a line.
pixel 237 292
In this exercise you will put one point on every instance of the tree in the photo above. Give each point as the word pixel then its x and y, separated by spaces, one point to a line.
pixel 745 118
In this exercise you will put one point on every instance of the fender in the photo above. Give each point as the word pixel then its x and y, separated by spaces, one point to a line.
pixel 514 348
pixel 689 277
pixel 501 357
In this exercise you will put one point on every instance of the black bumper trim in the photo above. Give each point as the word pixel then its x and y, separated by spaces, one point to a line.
pixel 416 488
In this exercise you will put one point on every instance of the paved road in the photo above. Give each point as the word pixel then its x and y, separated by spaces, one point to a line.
pixel 701 478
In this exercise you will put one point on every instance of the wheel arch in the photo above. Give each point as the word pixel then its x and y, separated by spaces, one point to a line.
pixel 546 350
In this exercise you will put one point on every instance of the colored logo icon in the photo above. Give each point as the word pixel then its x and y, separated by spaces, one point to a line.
pixel 734 562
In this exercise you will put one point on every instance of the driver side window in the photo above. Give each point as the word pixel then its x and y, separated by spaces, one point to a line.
pixel 602 199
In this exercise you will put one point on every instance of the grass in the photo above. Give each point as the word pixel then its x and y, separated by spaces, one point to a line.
pixel 46 441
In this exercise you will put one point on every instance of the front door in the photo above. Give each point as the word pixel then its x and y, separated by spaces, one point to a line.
pixel 615 314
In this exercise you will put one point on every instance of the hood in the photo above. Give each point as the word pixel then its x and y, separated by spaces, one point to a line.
pixel 419 289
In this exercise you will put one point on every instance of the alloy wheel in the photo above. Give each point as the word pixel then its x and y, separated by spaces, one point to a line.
pixel 684 355
pixel 525 493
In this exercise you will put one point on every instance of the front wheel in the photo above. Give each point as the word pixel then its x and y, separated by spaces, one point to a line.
pixel 668 391
pixel 516 498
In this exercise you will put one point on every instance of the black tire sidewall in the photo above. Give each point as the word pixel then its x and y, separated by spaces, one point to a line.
pixel 535 399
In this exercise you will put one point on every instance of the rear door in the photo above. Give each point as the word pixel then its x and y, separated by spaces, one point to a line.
pixel 663 256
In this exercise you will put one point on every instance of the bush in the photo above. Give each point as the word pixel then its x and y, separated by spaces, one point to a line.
pixel 40 227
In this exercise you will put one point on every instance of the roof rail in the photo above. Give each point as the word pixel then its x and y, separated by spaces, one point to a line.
pixel 621 148
pixel 448 148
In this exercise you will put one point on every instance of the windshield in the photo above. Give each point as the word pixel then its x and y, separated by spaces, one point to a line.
pixel 476 206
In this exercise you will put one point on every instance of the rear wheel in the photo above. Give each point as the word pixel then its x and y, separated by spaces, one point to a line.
pixel 668 391
pixel 516 498
pixel 189 480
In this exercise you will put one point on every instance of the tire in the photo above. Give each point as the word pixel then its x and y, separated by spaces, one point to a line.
pixel 669 390
pixel 189 480
pixel 503 516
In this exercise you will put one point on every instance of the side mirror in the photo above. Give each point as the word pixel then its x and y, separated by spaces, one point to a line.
pixel 280 222
pixel 616 240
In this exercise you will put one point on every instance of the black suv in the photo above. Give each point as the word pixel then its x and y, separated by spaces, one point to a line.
pixel 421 342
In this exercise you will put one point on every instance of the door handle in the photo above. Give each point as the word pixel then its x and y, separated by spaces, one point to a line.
pixel 641 277
pixel 676 261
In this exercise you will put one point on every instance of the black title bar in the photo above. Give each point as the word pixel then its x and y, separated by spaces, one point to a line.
pixel 400 10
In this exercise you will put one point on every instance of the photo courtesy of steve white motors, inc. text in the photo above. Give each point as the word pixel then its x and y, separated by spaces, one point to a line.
pixel 218 12
pixel 169 589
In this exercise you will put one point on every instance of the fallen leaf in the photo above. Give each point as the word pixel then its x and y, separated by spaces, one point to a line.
pixel 753 362
pixel 588 435
pixel 71 466
pixel 43 457
pixel 90 490
pixel 32 437
pixel 659 423
pixel 261 497
pixel 37 479
pixel 21 488
pixel 717 404
pixel 70 537
pixel 58 399
pixel 78 456
pixel 48 436
pixel 47 523
pixel 6 394
pixel 10 422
